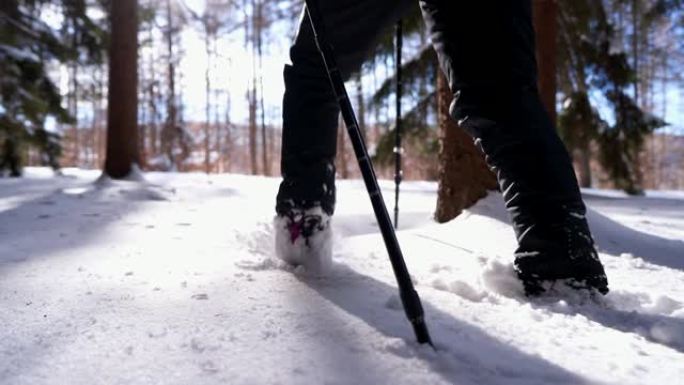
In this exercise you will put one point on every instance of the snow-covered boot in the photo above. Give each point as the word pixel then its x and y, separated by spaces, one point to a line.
pixel 303 237
pixel 563 252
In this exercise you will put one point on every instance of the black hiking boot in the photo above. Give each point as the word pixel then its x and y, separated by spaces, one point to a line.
pixel 563 253
pixel 303 237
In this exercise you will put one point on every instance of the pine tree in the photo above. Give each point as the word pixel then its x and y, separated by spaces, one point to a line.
pixel 28 96
pixel 589 65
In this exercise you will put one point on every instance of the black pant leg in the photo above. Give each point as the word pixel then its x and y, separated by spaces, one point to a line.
pixel 487 50
pixel 310 111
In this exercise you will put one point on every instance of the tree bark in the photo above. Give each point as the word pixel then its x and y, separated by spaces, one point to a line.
pixel 360 105
pixel 464 177
pixel 546 28
pixel 207 105
pixel 583 157
pixel 122 116
pixel 169 130
pixel 342 164
pixel 252 97
pixel 258 34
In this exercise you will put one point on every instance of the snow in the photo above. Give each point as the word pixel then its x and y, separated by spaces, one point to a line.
pixel 172 279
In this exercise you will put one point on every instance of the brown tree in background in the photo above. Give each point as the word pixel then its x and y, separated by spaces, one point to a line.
pixel 250 27
pixel 464 177
pixel 122 114
pixel 169 131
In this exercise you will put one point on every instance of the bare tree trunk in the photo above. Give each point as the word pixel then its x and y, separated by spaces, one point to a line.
pixel 153 131
pixel 100 129
pixel 218 142
pixel 207 107
pixel 546 27
pixel 342 164
pixel 152 100
pixel 169 129
pixel 122 117
pixel 251 96
pixel 464 178
pixel 142 131
pixel 252 100
pixel 582 156
pixel 94 128
pixel 259 22
pixel 229 134
pixel 361 106
pixel 376 109
pixel 73 99
pixel 272 145
pixel 635 48
pixel 74 112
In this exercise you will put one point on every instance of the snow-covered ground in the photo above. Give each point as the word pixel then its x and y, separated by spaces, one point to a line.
pixel 173 281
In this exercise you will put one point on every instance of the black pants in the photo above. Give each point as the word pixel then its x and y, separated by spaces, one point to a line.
pixel 486 49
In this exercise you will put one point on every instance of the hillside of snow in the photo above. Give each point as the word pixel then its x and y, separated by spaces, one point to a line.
pixel 172 280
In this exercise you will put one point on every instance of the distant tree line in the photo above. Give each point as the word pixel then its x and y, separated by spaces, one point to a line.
pixel 605 68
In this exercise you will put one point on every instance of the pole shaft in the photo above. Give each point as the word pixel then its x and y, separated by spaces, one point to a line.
pixel 408 295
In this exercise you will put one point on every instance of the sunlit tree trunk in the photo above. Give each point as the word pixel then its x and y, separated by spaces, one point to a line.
pixel 342 164
pixel 258 35
pixel 252 97
pixel 360 105
pixel 207 106
pixel 464 178
pixel 169 130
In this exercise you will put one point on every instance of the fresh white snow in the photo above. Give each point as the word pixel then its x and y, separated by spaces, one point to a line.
pixel 173 280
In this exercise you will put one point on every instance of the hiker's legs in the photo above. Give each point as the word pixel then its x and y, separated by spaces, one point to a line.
pixel 310 110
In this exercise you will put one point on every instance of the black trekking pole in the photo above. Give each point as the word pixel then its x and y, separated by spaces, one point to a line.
pixel 397 128
pixel 409 296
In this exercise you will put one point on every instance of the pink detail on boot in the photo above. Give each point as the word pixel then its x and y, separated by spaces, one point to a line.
pixel 295 230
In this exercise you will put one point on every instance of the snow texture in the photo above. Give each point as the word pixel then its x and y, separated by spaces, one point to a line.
pixel 173 279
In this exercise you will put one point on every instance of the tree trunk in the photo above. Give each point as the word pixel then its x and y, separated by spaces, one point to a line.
pixel 122 116
pixel 546 28
pixel 342 164
pixel 464 178
pixel 361 106
pixel 101 134
pixel 251 97
pixel 73 109
pixel 207 106
pixel 229 136
pixel 635 49
pixel 583 157
pixel 152 99
pixel 258 36
pixel 168 133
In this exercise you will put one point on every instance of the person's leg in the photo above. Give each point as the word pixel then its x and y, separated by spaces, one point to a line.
pixel 486 49
pixel 306 198
pixel 310 110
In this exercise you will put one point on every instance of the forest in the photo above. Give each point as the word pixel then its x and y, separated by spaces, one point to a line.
pixel 142 158
pixel 206 91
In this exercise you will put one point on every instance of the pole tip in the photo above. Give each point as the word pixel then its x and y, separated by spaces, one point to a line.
pixel 422 334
